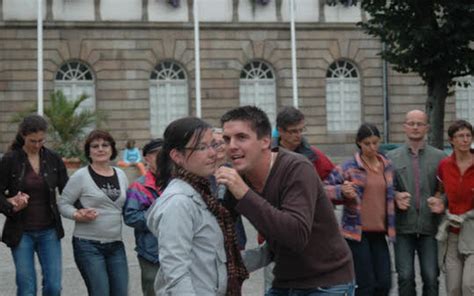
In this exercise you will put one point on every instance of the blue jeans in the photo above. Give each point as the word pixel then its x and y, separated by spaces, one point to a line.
pixel 103 266
pixel 336 290
pixel 46 244
pixel 427 249
pixel 371 264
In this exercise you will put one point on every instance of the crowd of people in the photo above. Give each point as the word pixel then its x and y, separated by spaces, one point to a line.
pixel 198 182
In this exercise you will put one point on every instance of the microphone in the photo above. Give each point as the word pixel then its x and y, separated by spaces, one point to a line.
pixel 222 188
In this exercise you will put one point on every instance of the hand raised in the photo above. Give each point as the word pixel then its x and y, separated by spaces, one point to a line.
pixel 232 180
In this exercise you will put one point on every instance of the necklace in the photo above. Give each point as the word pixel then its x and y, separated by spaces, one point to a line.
pixel 373 167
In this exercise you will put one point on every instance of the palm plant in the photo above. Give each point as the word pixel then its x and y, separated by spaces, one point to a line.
pixel 68 124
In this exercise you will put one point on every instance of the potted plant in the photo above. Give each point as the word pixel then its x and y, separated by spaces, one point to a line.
pixel 68 126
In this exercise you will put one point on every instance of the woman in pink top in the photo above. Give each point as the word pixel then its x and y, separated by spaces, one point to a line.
pixel 364 185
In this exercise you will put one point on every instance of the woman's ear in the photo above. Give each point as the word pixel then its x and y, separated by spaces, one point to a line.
pixel 177 157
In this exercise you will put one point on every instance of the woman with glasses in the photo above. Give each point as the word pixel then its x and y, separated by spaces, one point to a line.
pixel 94 198
pixel 364 185
pixel 456 173
pixel 196 234
pixel 29 176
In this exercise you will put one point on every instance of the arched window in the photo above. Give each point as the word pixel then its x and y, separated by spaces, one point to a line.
pixel 258 87
pixel 465 98
pixel 168 96
pixel 343 102
pixel 74 79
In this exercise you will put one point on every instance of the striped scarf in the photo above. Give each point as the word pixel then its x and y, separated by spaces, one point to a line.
pixel 236 271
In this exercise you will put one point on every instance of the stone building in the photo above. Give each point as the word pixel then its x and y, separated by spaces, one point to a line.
pixel 135 59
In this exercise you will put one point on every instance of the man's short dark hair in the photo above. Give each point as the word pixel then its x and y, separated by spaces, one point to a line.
pixel 257 118
pixel 458 125
pixel 289 116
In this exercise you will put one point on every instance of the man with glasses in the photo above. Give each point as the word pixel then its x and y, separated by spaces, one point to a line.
pixel 291 129
pixel 418 211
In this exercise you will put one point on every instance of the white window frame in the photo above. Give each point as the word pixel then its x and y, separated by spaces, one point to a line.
pixel 465 98
pixel 258 87
pixel 343 97
pixel 75 78
pixel 169 98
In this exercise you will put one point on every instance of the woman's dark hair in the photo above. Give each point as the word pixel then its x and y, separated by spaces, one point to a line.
pixel 366 130
pixel 95 135
pixel 458 125
pixel 176 136
pixel 29 125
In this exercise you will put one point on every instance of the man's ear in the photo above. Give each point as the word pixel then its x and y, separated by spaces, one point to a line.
pixel 177 157
pixel 266 142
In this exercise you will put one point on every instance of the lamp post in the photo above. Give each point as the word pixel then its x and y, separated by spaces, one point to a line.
pixel 197 58
pixel 293 54
pixel 39 28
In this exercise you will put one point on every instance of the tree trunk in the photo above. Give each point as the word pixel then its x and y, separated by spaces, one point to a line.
pixel 435 106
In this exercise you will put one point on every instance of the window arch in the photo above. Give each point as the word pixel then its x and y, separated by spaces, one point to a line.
pixel 465 98
pixel 168 96
pixel 258 87
pixel 75 78
pixel 343 99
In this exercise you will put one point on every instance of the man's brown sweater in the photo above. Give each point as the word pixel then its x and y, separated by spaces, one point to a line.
pixel 298 221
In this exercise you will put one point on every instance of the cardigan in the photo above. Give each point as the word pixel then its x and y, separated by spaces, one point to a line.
pixel 352 170
pixel 107 227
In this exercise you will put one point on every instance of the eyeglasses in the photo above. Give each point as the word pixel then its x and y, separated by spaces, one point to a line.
pixel 103 145
pixel 203 147
pixel 416 124
pixel 37 142
pixel 463 136
pixel 220 146
pixel 294 131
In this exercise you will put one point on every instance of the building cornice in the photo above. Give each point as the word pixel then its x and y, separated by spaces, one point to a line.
pixel 178 25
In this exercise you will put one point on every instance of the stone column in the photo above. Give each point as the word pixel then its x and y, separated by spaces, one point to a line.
pixel 97 16
pixel 145 11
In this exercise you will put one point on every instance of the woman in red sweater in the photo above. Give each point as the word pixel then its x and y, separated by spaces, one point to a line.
pixel 456 172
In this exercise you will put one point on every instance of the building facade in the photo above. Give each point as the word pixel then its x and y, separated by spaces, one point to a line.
pixel 135 60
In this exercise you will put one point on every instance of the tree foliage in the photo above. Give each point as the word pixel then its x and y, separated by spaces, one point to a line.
pixel 434 38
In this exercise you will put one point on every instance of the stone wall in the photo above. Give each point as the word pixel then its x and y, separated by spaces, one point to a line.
pixel 122 59
pixel 123 54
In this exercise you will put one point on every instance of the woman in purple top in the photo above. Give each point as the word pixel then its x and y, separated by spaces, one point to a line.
pixel 29 176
